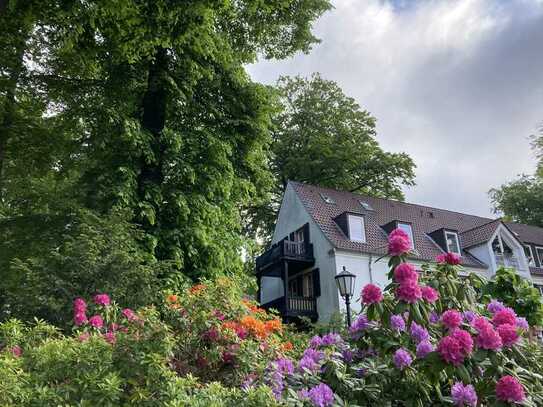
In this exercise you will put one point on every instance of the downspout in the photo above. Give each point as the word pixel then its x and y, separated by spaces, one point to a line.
pixel 369 268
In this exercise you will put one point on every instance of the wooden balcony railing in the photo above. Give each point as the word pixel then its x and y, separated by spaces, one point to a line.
pixel 302 304
pixel 300 250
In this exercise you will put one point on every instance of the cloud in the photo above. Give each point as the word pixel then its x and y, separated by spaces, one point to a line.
pixel 456 84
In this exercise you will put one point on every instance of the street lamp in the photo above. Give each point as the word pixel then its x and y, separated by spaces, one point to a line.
pixel 345 285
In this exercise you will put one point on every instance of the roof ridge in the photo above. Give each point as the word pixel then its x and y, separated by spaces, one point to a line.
pixel 480 226
pixel 395 200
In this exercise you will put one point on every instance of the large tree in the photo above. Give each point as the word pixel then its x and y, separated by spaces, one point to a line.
pixel 322 136
pixel 521 200
pixel 142 107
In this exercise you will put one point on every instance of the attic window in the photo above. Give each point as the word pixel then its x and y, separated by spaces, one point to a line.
pixel 357 231
pixel 366 206
pixel 452 242
pixel 406 227
pixel 327 199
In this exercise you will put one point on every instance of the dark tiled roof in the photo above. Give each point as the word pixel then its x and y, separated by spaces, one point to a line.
pixel 527 233
pixel 423 219
pixel 479 234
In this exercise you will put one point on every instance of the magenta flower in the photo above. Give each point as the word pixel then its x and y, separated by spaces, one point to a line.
pixel 16 351
pixel 508 334
pixel 96 321
pixel 110 337
pixel 410 293
pixel 451 319
pixel 80 306
pixel 371 294
pixel 509 389
pixel 321 395
pixel 219 315
pixel 464 339
pixel 450 350
pixel 488 338
pixel 429 294
pixel 80 318
pixel 102 299
pixel 463 396
pixel 405 273
pixel 449 258
pixel 423 349
pixel 83 337
pixel 504 316
pixel 398 242
pixel 129 314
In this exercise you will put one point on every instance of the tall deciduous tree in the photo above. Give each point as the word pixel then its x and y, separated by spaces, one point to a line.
pixel 322 136
pixel 521 200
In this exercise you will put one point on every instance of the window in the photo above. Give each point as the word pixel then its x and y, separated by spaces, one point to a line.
pixel 406 227
pixel 539 252
pixel 356 228
pixel 452 242
pixel 529 255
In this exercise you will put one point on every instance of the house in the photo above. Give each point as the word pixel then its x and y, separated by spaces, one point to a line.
pixel 319 231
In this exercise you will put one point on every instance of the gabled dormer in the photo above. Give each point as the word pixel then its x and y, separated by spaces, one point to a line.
pixel 447 240
pixel 407 227
pixel 353 225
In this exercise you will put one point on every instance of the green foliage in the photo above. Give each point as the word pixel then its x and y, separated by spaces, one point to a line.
pixel 322 136
pixel 517 293
pixel 49 260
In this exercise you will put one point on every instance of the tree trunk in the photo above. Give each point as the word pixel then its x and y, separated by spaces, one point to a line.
pixel 153 119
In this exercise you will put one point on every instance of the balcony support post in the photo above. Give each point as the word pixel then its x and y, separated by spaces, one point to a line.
pixel 285 279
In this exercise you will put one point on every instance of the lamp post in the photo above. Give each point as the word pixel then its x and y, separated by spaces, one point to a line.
pixel 345 285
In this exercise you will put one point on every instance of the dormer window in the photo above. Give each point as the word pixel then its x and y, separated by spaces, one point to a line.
pixel 529 255
pixel 453 246
pixel 357 231
pixel 406 227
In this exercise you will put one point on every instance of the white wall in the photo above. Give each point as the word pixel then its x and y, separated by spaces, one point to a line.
pixel 271 288
pixel 292 216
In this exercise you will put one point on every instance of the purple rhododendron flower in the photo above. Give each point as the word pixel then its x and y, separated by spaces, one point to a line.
pixel 433 318
pixel 522 323
pixel 315 342
pixel 463 396
pixel 423 349
pixel 331 339
pixel 397 323
pixel 285 366
pixel 418 332
pixel 321 395
pixel 359 325
pixel 469 316
pixel 495 306
pixel 402 358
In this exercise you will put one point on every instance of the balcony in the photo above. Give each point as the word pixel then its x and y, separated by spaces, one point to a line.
pixel 294 307
pixel 299 254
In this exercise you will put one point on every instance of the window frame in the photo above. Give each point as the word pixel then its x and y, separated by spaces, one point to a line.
pixel 531 263
pixel 450 232
pixel 363 222
pixel 411 235
pixel 537 254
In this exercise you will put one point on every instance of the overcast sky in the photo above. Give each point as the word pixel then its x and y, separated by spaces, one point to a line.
pixel 456 84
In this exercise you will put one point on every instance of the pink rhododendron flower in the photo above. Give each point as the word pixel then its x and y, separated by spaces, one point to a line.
pixel 464 339
pixel 405 273
pixel 410 293
pixel 398 243
pixel 83 337
pixel 110 337
pixel 508 333
pixel 80 306
pixel 16 351
pixel 429 294
pixel 96 321
pixel 509 389
pixel 488 338
pixel 129 314
pixel 449 258
pixel 80 318
pixel 451 319
pixel 371 294
pixel 504 316
pixel 480 323
pixel 455 347
pixel 102 299
pixel 219 315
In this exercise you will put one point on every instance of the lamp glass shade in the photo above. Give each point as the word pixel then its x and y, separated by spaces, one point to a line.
pixel 345 283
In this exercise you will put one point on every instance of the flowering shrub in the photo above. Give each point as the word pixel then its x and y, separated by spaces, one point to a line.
pixel 423 341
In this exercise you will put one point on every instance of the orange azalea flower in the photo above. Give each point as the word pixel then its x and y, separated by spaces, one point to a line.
pixel 287 346
pixel 254 326
pixel 197 288
pixel 273 325
pixel 171 298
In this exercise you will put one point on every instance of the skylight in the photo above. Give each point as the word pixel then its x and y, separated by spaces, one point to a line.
pixel 327 199
pixel 366 206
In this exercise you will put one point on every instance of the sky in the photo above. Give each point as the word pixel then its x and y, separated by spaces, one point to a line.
pixel 457 84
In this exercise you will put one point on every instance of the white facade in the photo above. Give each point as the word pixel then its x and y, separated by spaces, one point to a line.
pixel 366 267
